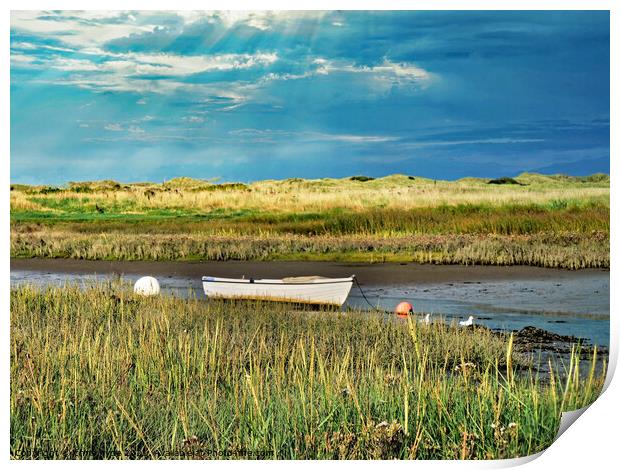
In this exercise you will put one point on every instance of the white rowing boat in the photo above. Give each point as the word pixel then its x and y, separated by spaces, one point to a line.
pixel 307 289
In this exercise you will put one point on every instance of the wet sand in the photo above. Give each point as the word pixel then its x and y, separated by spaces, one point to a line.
pixel 367 274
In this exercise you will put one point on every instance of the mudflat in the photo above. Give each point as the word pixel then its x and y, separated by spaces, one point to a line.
pixel 367 274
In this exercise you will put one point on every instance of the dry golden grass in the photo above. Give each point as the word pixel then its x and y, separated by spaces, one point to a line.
pixel 395 192
pixel 22 202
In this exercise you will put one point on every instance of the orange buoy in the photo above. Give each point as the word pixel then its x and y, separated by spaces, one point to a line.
pixel 403 309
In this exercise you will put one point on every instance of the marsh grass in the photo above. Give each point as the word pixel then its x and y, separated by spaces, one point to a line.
pixel 550 221
pixel 567 251
pixel 100 373
pixel 544 221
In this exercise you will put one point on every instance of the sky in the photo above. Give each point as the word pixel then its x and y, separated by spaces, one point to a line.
pixel 246 96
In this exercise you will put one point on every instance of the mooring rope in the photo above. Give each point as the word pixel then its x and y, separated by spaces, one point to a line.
pixel 364 295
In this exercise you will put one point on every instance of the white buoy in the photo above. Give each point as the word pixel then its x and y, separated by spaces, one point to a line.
pixel 146 285
pixel 468 322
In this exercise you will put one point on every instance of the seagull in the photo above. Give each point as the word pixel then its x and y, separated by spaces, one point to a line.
pixel 426 320
pixel 468 322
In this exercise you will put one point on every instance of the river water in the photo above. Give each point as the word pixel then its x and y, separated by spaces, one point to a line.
pixel 567 303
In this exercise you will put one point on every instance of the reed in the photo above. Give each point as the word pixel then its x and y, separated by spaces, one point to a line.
pixel 569 251
pixel 100 373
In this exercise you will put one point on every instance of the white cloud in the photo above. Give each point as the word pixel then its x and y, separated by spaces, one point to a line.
pixel 101 70
pixel 135 130
pixel 170 65
pixel 84 28
pixel 195 119
pixel 124 71
pixel 395 73
pixel 71 65
pixel 259 23
pixel 351 138
pixel 28 46
pixel 270 135
pixel 382 76
pixel 24 46
pixel 261 19
pixel 448 143
pixel 114 127
pixel 94 28
pixel 21 59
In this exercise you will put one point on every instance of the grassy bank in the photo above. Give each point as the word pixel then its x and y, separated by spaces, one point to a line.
pixel 101 374
pixel 542 220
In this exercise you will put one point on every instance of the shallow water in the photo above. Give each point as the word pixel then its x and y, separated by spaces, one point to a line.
pixel 563 305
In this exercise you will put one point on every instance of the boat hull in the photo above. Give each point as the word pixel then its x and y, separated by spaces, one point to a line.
pixel 321 291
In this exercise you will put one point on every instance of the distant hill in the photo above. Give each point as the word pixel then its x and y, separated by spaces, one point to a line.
pixel 390 181
pixel 579 168
pixel 597 179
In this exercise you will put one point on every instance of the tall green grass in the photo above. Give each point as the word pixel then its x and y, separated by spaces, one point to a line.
pixel 99 373
pixel 556 216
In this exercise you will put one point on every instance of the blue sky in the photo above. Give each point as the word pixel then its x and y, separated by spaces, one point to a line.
pixel 246 96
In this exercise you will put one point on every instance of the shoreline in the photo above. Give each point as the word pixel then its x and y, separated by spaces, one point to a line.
pixel 366 273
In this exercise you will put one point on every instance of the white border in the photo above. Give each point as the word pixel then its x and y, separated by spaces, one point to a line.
pixel 590 443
